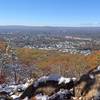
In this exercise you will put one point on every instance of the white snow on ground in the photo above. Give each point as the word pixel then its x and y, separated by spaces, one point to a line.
pixel 16 90
pixel 98 68
pixel 64 80
pixel 14 96
pixel 41 97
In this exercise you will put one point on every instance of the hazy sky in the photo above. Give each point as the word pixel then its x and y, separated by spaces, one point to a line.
pixel 50 12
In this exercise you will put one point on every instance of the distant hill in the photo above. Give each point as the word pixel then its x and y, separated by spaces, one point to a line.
pixel 77 31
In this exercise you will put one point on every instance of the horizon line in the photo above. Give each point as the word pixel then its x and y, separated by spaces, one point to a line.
pixel 45 26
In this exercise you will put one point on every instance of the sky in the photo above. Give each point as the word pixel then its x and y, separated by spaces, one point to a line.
pixel 50 12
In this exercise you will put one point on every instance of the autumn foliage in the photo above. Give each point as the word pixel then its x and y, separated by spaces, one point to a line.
pixel 93 60
pixel 3 46
pixel 54 61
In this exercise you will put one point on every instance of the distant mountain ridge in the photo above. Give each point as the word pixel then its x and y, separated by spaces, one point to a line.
pixel 78 31
pixel 49 28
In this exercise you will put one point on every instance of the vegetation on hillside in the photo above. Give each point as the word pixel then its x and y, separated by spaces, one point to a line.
pixel 63 63
pixel 49 61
